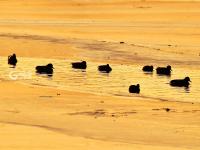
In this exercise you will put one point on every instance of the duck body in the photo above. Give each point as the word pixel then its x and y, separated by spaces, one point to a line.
pixel 147 68
pixel 48 69
pixel 134 89
pixel 12 60
pixel 105 68
pixel 164 70
pixel 181 82
pixel 79 65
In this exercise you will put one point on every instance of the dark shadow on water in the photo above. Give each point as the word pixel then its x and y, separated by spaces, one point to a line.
pixel 45 75
pixel 187 89
pixel 161 75
pixel 104 74
pixel 78 70
pixel 49 75
pixel 148 73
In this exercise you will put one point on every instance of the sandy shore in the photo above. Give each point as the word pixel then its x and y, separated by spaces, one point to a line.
pixel 92 30
pixel 42 118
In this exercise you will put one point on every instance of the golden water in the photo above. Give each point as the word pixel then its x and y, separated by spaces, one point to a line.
pixel 116 83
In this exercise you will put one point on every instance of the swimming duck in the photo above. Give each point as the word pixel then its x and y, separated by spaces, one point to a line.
pixel 164 70
pixel 134 89
pixel 147 68
pixel 12 60
pixel 79 65
pixel 181 82
pixel 105 68
pixel 48 69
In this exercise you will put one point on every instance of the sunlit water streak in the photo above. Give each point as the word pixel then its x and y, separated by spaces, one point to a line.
pixel 84 22
pixel 116 83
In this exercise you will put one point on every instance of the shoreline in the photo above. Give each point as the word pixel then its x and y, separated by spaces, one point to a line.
pixel 145 98
pixel 82 49
pixel 60 109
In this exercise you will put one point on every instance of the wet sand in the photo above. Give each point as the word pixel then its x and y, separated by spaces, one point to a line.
pixel 54 119
pixel 158 33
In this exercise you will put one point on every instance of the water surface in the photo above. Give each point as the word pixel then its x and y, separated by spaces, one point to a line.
pixel 116 83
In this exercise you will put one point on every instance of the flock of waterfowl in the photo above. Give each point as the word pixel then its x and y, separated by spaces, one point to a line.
pixel 48 69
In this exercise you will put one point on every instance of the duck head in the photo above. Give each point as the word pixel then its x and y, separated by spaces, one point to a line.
pixel 169 67
pixel 187 79
pixel 50 66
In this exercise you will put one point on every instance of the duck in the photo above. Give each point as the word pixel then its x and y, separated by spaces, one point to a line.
pixel 105 68
pixel 48 69
pixel 79 65
pixel 181 82
pixel 12 59
pixel 147 68
pixel 164 70
pixel 134 89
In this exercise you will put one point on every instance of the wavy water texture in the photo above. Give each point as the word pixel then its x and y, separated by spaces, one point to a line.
pixel 116 83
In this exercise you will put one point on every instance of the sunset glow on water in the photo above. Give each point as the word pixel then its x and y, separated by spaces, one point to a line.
pixel 116 83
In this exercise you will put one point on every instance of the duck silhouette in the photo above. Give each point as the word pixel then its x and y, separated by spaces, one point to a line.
pixel 181 82
pixel 79 65
pixel 164 70
pixel 134 89
pixel 147 68
pixel 48 69
pixel 105 68
pixel 12 60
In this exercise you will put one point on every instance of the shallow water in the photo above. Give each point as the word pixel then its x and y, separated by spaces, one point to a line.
pixel 116 83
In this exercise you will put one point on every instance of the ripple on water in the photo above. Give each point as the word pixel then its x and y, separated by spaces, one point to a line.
pixel 116 83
